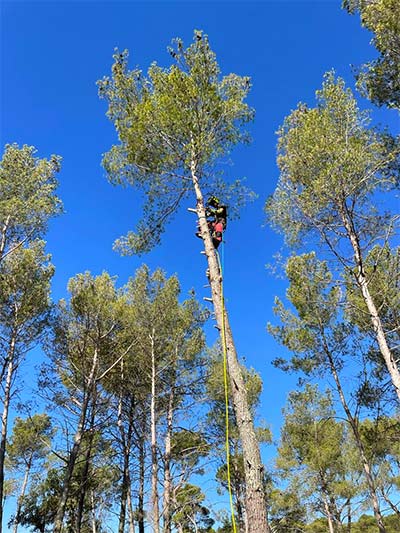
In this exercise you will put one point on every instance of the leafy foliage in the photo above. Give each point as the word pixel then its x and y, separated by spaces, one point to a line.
pixel 165 121
pixel 27 195
pixel 379 79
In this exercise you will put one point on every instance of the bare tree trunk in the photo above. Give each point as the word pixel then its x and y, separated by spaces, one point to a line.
pixel 154 460
pixel 394 508
pixel 328 515
pixel 349 517
pixel 94 525
pixel 256 509
pixel 3 238
pixel 167 458
pixel 141 483
pixel 4 420
pixel 358 441
pixel 387 355
pixel 22 494
pixel 58 522
pixel 85 474
pixel 126 440
pixel 130 511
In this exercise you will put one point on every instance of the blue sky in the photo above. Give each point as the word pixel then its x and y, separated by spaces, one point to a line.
pixel 52 53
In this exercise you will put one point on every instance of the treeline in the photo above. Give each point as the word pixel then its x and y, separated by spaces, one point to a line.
pixel 135 412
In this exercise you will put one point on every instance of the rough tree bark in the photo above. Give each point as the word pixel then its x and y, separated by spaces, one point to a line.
pixel 256 509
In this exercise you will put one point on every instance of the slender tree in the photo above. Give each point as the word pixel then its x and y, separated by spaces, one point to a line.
pixel 320 341
pixel 24 312
pixel 173 126
pixel 332 168
pixel 169 340
pixel 29 444
pixel 86 348
pixel 310 453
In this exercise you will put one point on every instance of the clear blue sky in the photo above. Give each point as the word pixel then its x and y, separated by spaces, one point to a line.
pixel 52 53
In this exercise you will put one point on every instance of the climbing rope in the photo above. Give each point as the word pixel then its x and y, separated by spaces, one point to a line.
pixel 224 350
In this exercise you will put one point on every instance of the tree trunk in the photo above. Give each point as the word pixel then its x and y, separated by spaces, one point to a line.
pixel 167 458
pixel 358 441
pixel 256 509
pixel 130 512
pixel 387 355
pixel 349 517
pixel 3 237
pixel 58 522
pixel 126 450
pixel 94 525
pixel 85 474
pixel 22 494
pixel 154 462
pixel 328 515
pixel 141 483
pixel 4 420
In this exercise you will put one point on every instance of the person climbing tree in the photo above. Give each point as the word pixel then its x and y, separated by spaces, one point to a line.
pixel 217 230
pixel 216 214
pixel 174 125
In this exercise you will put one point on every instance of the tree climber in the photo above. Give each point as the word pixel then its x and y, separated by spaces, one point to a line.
pixel 217 213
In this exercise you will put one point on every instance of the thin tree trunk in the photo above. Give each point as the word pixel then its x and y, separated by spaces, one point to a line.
pixel 85 475
pixel 394 508
pixel 387 355
pixel 167 458
pixel 4 236
pixel 349 517
pixel 22 494
pixel 154 462
pixel 4 420
pixel 358 441
pixel 124 492
pixel 328 515
pixel 130 511
pixel 126 449
pixel 94 525
pixel 58 522
pixel 256 509
pixel 141 483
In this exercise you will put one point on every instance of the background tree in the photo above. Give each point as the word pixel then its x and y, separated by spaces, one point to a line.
pixel 379 79
pixel 29 444
pixel 85 348
pixel 27 196
pixel 287 512
pixel 321 340
pixel 332 168
pixel 310 454
pixel 191 515
pixel 169 341
pixel 24 313
pixel 173 126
